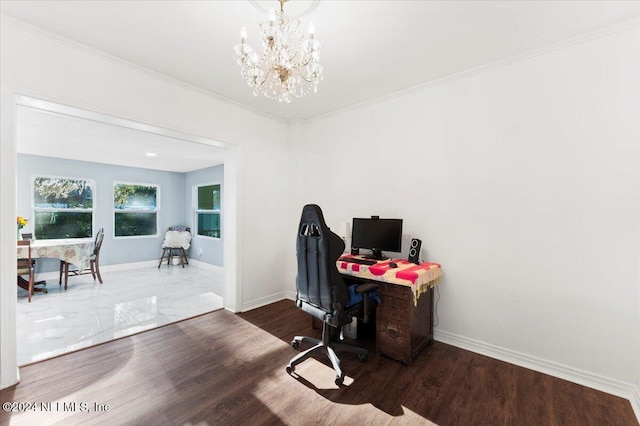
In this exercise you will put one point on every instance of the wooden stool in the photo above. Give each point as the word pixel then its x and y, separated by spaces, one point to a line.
pixel 168 252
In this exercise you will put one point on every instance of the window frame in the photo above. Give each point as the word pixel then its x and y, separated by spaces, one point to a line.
pixel 198 211
pixel 92 210
pixel 120 211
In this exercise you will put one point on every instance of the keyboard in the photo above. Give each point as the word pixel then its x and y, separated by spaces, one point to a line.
pixel 358 261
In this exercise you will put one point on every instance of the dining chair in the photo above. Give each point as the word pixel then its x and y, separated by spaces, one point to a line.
pixel 25 267
pixel 94 262
pixel 29 236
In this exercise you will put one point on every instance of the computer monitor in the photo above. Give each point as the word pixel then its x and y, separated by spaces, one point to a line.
pixel 377 235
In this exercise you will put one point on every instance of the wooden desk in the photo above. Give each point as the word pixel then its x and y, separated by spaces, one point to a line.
pixel 404 319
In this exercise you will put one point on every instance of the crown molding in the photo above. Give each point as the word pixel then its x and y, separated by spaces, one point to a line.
pixel 626 25
pixel 56 38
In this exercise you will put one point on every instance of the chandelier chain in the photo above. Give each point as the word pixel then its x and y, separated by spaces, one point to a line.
pixel 303 14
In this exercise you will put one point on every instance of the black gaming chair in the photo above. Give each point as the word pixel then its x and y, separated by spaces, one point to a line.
pixel 322 292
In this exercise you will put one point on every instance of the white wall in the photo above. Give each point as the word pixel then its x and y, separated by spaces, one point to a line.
pixel 59 71
pixel 524 182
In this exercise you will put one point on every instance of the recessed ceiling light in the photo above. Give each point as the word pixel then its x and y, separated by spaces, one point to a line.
pixel 151 154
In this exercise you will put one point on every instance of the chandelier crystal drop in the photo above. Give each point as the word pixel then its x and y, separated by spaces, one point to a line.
pixel 287 65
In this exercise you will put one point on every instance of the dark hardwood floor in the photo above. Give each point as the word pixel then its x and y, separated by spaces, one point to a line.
pixel 229 369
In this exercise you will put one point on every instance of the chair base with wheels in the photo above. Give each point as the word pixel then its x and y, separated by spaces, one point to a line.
pixel 328 347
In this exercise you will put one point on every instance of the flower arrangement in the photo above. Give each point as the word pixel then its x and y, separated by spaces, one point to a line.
pixel 22 222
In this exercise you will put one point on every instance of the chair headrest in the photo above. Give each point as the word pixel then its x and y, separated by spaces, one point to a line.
pixel 312 221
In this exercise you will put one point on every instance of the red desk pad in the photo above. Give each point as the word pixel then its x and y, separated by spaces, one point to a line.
pixel 418 277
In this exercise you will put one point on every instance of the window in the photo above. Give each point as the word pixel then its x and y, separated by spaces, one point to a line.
pixel 62 207
pixel 135 209
pixel 208 210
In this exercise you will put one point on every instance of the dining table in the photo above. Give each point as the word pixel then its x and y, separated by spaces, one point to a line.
pixel 76 251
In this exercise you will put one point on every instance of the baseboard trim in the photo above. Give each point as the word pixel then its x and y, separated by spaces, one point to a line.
pixel 263 301
pixel 615 387
pixel 635 401
pixel 206 266
pixel 595 381
pixel 129 266
pixel 54 275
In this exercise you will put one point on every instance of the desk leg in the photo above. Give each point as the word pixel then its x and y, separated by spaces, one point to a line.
pixel 431 312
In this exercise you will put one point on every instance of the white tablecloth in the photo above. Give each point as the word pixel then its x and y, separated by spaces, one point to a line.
pixel 75 251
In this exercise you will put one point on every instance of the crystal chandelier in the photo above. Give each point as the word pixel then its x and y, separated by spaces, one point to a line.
pixel 288 64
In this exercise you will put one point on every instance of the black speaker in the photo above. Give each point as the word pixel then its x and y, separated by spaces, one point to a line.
pixel 355 251
pixel 414 251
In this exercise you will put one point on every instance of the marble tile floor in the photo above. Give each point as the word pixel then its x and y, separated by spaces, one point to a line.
pixel 89 313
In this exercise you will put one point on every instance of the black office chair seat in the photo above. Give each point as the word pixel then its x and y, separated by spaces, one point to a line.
pixel 322 293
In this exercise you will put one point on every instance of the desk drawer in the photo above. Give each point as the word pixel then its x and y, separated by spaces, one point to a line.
pixel 396 310
pixel 395 291
pixel 393 341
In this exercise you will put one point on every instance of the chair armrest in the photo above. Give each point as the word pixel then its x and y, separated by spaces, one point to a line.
pixel 367 303
pixel 365 288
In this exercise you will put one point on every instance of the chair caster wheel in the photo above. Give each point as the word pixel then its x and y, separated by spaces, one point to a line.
pixel 363 357
pixel 290 369
pixel 339 380
pixel 295 344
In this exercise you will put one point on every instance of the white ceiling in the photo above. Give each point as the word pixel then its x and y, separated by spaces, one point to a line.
pixel 370 49
pixel 60 135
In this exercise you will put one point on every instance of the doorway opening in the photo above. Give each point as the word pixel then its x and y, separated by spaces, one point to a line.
pixel 62 142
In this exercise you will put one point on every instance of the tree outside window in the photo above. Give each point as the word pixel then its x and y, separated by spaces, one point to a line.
pixel 62 207
pixel 208 210
pixel 135 209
